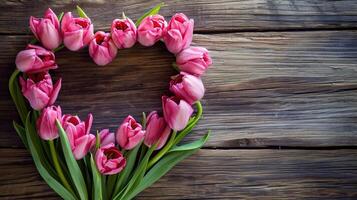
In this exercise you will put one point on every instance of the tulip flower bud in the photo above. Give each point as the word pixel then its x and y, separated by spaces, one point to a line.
pixel 157 130
pixel 129 133
pixel 77 32
pixel 80 139
pixel 123 33
pixel 194 60
pixel 151 29
pixel 39 91
pixel 102 48
pixel 187 87
pixel 47 29
pixel 109 160
pixel 46 123
pixel 106 137
pixel 179 32
pixel 35 59
pixel 176 112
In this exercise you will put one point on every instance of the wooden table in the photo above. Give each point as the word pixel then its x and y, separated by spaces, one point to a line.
pixel 281 97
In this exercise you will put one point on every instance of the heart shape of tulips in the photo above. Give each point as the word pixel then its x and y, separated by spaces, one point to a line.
pixel 78 164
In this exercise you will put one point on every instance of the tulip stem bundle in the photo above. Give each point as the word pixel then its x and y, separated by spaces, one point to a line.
pixel 163 151
pixel 80 165
pixel 58 167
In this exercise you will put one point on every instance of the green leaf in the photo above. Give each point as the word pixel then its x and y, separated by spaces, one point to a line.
pixel 193 145
pixel 32 138
pixel 21 132
pixel 89 178
pixel 111 181
pixel 17 97
pixel 72 164
pixel 97 181
pixel 135 180
pixel 143 121
pixel 124 175
pixel 60 16
pixel 37 142
pixel 33 41
pixel 153 11
pixel 165 164
pixel 81 13
pixel 97 141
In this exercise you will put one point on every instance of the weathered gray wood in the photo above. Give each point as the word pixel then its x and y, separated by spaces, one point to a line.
pixel 265 89
pixel 219 174
pixel 209 16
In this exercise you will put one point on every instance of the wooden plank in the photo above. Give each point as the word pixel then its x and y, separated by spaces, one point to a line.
pixel 265 89
pixel 219 174
pixel 209 16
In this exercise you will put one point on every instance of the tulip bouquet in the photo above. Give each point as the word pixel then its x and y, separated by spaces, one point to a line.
pixel 77 163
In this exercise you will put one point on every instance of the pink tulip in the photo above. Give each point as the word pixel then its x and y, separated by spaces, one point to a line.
pixel 46 123
pixel 179 32
pixel 129 133
pixel 176 112
pixel 123 33
pixel 194 60
pixel 47 29
pixel 78 134
pixel 35 59
pixel 106 137
pixel 102 48
pixel 187 87
pixel 39 90
pixel 151 30
pixel 77 32
pixel 109 160
pixel 156 130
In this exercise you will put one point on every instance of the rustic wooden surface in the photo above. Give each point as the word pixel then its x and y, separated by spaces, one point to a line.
pixel 284 77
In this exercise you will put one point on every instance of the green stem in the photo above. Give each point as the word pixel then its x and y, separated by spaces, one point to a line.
pixel 174 65
pixel 163 151
pixel 142 152
pixel 58 167
pixel 185 131
pixel 58 48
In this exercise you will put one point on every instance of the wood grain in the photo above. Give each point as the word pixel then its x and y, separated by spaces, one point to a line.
pixel 219 174
pixel 209 16
pixel 265 89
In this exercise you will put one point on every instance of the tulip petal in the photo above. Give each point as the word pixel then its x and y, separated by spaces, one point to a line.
pixel 25 60
pixel 73 40
pixel 82 146
pixel 50 37
pixel 88 123
pixel 55 92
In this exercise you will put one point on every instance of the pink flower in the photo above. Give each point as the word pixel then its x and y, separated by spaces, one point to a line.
pixel 47 29
pixel 77 32
pixel 129 133
pixel 46 123
pixel 39 90
pixel 179 32
pixel 187 87
pixel 106 137
pixel 78 134
pixel 35 59
pixel 156 130
pixel 151 29
pixel 123 33
pixel 102 48
pixel 176 112
pixel 109 160
pixel 194 60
